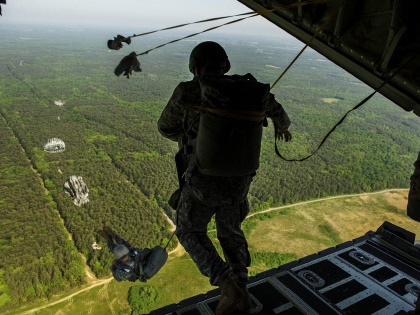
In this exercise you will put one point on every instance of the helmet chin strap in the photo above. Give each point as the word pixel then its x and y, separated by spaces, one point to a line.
pixel 220 69
pixel 201 70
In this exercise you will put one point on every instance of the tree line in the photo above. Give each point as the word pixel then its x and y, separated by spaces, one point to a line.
pixel 109 127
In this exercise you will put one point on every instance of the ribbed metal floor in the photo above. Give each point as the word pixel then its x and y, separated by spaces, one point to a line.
pixel 378 273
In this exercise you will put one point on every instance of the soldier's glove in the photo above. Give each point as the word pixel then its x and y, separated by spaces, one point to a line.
pixel 116 44
pixel 127 65
pixel 285 135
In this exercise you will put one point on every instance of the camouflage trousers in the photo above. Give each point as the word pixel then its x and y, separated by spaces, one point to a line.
pixel 193 216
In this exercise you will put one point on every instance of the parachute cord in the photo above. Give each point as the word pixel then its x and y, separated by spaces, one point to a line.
pixel 260 12
pixel 386 81
pixel 202 21
pixel 324 25
pixel 170 239
pixel 191 35
pixel 329 132
pixel 252 14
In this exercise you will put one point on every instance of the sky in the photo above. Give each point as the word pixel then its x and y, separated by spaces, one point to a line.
pixel 141 15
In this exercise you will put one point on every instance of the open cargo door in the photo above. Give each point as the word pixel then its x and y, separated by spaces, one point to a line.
pixel 371 39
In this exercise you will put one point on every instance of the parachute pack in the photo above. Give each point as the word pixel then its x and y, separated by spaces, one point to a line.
pixel 232 116
pixel 153 262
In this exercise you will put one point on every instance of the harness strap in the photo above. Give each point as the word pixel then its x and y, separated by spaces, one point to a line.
pixel 140 267
pixel 250 115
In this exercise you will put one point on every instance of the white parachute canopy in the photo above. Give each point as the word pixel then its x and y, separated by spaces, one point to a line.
pixel 54 145
pixel 77 190
pixel 59 103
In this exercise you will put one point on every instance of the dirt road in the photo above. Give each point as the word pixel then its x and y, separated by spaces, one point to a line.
pixel 323 199
pixel 93 285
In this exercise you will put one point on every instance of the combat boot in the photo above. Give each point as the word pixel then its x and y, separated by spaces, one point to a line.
pixel 105 235
pixel 244 303
pixel 109 231
pixel 230 295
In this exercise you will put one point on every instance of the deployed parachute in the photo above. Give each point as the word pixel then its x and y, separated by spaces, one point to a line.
pixel 54 145
pixel 59 103
pixel 77 190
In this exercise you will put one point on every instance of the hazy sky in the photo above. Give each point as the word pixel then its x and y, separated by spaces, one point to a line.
pixel 139 14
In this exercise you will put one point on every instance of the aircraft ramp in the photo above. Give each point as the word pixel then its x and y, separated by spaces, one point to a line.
pixel 378 273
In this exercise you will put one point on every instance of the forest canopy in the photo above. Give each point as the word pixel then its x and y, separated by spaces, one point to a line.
pixel 108 125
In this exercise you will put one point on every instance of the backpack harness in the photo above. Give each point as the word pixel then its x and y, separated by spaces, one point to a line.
pixel 224 137
pixel 231 118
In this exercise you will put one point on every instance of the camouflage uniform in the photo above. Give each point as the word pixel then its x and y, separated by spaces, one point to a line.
pixel 413 204
pixel 204 196
pixel 129 269
pixel 125 271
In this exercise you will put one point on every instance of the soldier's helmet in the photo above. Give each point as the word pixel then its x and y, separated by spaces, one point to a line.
pixel 120 251
pixel 211 54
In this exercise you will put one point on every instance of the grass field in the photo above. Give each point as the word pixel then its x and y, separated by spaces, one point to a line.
pixel 309 228
pixel 295 231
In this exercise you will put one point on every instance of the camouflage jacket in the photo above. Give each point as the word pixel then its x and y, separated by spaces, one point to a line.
pixel 187 95
pixel 179 116
pixel 127 270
